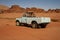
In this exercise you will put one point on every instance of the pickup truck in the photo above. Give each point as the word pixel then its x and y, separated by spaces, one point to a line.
pixel 29 18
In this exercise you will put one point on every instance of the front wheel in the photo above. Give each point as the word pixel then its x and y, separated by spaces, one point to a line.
pixel 17 23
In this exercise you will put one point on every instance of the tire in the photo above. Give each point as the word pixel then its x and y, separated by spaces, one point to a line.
pixel 43 25
pixel 17 23
pixel 34 25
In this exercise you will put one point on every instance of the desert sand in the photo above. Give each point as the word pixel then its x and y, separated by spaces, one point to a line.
pixel 9 30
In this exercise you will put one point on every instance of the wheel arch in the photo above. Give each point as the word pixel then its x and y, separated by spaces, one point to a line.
pixel 17 20
pixel 34 21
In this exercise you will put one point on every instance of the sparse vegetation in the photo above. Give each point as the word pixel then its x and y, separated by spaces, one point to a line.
pixel 55 20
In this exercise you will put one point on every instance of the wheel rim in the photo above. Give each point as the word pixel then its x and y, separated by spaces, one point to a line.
pixel 39 26
pixel 34 25
pixel 17 23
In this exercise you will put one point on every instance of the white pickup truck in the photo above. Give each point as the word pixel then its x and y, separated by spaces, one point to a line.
pixel 30 19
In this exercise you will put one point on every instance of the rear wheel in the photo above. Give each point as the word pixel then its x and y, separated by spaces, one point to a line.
pixel 43 25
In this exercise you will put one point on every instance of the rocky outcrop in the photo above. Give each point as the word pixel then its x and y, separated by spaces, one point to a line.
pixel 53 11
pixel 57 10
pixel 18 9
pixel 35 10
pixel 3 7
pixel 15 9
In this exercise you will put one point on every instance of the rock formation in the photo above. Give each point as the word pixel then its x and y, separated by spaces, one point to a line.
pixel 18 9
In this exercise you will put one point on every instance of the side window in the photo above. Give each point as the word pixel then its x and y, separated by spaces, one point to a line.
pixel 28 15
pixel 24 15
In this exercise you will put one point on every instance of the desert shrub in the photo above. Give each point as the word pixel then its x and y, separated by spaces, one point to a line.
pixel 55 20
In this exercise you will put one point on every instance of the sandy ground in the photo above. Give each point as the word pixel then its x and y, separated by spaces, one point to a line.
pixel 9 30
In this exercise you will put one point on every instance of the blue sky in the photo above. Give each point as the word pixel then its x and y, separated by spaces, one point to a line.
pixel 45 4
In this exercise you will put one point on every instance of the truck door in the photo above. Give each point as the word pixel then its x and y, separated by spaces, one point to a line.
pixel 23 20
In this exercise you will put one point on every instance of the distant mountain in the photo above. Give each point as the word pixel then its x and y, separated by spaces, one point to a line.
pixel 19 9
pixel 53 11
pixel 15 8
pixel 3 7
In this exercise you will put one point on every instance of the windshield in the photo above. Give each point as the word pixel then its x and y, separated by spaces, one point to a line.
pixel 29 14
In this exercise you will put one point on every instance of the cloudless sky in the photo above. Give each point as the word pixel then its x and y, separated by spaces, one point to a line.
pixel 45 4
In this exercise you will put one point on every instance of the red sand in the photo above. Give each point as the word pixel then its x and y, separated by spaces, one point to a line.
pixel 8 30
